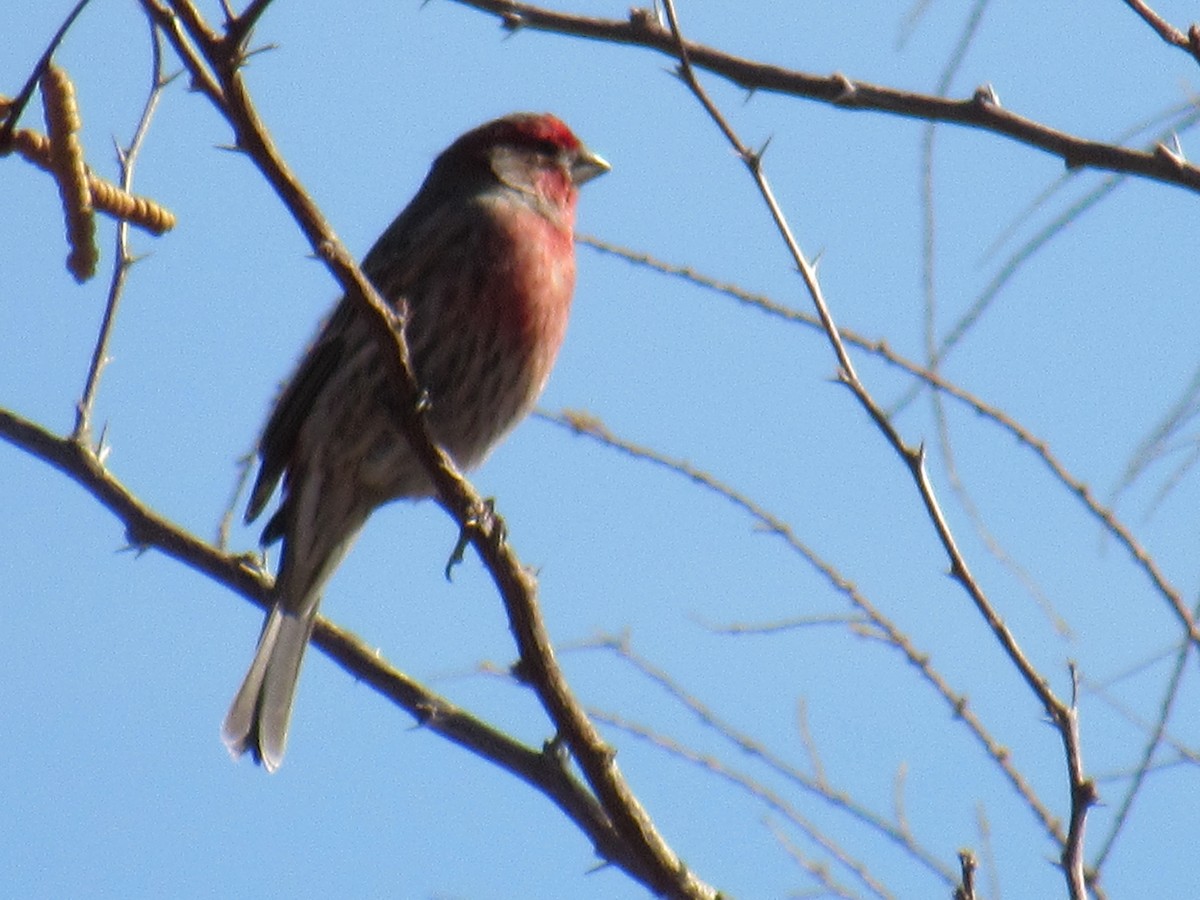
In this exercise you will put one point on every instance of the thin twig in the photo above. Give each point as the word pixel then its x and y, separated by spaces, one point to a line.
pixel 145 528
pixel 1082 789
pixel 958 704
pixel 126 159
pixel 1083 798
pixel 756 789
pixel 1105 515
pixel 838 90
pixel 17 105
pixel 813 784
pixel 1189 42
pixel 817 870
pixel 1157 735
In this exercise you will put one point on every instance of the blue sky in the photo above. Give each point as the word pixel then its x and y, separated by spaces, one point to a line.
pixel 118 668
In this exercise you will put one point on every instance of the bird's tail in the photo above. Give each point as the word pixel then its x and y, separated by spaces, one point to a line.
pixel 257 721
pixel 258 718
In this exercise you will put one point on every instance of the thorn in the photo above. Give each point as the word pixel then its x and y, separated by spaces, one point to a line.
pixel 646 18
pixel 762 151
pixel 1162 151
pixel 985 95
pixel 1177 146
pixel 520 672
pixel 482 520
pixel 512 22
pixel 265 48
pixel 557 750
pixel 847 92
pixel 103 448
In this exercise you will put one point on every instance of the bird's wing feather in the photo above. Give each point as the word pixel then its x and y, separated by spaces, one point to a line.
pixel 411 243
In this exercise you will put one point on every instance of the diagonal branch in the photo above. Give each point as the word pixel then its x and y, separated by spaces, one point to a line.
pixel 1105 515
pixel 542 769
pixel 892 634
pixel 1189 42
pixel 1064 717
pixel 980 111
pixel 126 159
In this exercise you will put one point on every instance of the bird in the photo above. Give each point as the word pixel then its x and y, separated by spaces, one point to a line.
pixel 481 266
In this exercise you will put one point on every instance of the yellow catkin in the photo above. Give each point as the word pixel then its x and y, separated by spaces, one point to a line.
pixel 106 196
pixel 70 170
pixel 141 211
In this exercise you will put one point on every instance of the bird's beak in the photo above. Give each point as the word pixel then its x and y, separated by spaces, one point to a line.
pixel 587 165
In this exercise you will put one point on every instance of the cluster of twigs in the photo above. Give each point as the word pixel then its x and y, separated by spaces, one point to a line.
pixel 598 800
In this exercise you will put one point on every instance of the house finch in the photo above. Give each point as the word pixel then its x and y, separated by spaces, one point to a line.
pixel 482 263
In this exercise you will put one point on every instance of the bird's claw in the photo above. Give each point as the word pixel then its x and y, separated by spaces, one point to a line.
pixel 483 519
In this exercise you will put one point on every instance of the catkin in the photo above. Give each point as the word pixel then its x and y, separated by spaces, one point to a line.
pixel 106 196
pixel 70 171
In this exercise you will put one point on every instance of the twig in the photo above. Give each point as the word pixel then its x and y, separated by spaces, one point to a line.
pixel 127 159
pixel 1083 798
pixel 1189 42
pixel 1082 790
pixel 1157 735
pixel 819 871
pixel 1187 116
pixel 756 789
pixel 1105 515
pixel 18 103
pixel 958 704
pixel 966 885
pixel 642 30
pixel 146 528
pixel 813 784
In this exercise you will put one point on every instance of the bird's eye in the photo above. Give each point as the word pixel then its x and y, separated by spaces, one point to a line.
pixel 548 149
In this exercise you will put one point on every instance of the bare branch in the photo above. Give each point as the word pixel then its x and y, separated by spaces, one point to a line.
pixel 127 159
pixel 958 704
pixel 849 94
pixel 542 769
pixel 1189 42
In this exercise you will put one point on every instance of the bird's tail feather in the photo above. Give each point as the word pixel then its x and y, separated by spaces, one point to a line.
pixel 259 715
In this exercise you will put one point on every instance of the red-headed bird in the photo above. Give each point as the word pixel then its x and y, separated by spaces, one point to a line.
pixel 482 264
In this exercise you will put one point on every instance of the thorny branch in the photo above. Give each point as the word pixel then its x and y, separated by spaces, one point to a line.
pixel 1064 717
pixel 146 528
pixel 127 160
pixel 981 111
pixel 214 60
pixel 890 633
pixel 1190 42
pixel 1105 515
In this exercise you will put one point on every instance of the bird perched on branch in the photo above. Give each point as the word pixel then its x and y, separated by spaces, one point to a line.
pixel 482 265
